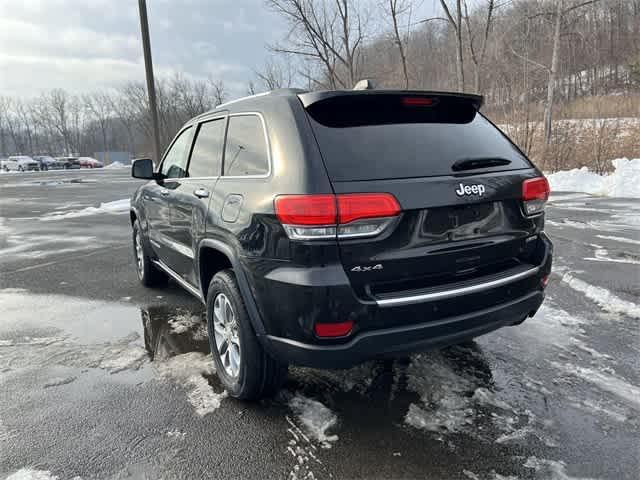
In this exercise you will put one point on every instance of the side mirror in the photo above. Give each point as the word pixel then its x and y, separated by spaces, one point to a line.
pixel 142 168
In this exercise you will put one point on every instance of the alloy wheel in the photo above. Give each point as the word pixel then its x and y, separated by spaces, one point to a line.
pixel 225 330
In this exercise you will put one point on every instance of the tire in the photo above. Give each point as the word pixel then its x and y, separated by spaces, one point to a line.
pixel 148 274
pixel 20 169
pixel 258 374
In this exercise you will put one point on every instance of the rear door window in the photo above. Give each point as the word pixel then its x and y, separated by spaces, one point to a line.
pixel 246 152
pixel 384 136
pixel 206 157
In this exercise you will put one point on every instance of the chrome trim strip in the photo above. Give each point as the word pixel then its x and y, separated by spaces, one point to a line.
pixel 183 283
pixel 426 297
pixel 160 237
pixel 222 105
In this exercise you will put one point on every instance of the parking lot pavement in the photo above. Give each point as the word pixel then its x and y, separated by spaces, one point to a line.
pixel 102 378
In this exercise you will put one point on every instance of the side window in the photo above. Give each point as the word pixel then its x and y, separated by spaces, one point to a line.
pixel 206 156
pixel 246 149
pixel 175 161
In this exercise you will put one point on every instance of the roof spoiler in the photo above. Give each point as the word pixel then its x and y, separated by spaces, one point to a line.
pixel 311 98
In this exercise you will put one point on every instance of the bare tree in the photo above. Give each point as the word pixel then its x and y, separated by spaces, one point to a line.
pixel 277 73
pixel 100 107
pixel 456 24
pixel 328 32
pixel 396 9
pixel 478 56
pixel 218 91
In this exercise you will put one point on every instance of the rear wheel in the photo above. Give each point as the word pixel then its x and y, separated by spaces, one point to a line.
pixel 20 169
pixel 148 274
pixel 246 371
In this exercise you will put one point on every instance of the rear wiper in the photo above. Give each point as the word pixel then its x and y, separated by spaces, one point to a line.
pixel 473 163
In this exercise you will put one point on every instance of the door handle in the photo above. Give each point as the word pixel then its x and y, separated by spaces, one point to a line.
pixel 201 193
pixel 164 192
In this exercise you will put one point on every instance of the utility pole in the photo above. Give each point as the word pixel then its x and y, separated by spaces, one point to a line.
pixel 151 86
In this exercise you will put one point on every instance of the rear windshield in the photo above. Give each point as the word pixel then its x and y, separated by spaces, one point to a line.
pixel 379 138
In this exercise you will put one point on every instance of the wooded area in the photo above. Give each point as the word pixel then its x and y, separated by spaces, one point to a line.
pixel 535 61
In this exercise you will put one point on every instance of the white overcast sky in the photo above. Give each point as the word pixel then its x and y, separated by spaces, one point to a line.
pixel 86 45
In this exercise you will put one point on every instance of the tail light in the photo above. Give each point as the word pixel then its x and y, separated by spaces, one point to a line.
pixel 535 192
pixel 351 215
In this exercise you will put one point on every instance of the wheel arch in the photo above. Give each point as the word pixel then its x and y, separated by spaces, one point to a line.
pixel 214 256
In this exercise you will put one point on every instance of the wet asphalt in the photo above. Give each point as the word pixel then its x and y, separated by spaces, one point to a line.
pixel 102 378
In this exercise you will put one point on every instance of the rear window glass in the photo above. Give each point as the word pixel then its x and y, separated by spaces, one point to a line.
pixel 377 139
pixel 246 150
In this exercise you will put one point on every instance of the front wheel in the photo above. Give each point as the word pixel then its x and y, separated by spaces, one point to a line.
pixel 148 274
pixel 245 370
pixel 20 169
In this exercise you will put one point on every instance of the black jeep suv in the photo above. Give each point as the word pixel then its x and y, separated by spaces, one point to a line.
pixel 327 228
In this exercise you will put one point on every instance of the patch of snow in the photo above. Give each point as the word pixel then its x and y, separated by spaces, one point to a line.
pixel 57 382
pixel 592 406
pixel 32 474
pixel 603 297
pixel 189 370
pixel 619 239
pixel 176 434
pixel 449 397
pixel 550 469
pixel 186 322
pixel 116 165
pixel 602 255
pixel 114 207
pixel 623 182
pixel 120 359
pixel 619 387
pixel 315 418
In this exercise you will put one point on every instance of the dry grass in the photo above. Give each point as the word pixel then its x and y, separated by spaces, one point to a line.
pixel 576 143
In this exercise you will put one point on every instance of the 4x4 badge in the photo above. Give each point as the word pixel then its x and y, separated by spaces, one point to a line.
pixel 368 268
pixel 470 190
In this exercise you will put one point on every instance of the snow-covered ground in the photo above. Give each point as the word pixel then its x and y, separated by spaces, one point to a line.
pixel 623 182
pixel 116 206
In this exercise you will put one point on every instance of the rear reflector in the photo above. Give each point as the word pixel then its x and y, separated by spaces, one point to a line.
pixel 350 215
pixel 544 281
pixel 329 330
pixel 535 192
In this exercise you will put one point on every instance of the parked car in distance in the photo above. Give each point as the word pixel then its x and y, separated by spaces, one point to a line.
pixel 325 229
pixel 90 162
pixel 7 165
pixel 21 163
pixel 69 162
pixel 47 162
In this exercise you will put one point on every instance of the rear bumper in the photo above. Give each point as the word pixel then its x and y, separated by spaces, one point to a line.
pixel 406 339
pixel 290 302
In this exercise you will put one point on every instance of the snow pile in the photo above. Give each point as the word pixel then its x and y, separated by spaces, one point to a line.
pixel 623 182
pixel 115 165
pixel 315 418
pixel 117 206
pixel 31 474
pixel 603 297
pixel 190 369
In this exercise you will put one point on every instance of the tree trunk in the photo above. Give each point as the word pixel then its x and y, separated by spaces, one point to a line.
pixel 393 6
pixel 551 85
pixel 459 57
